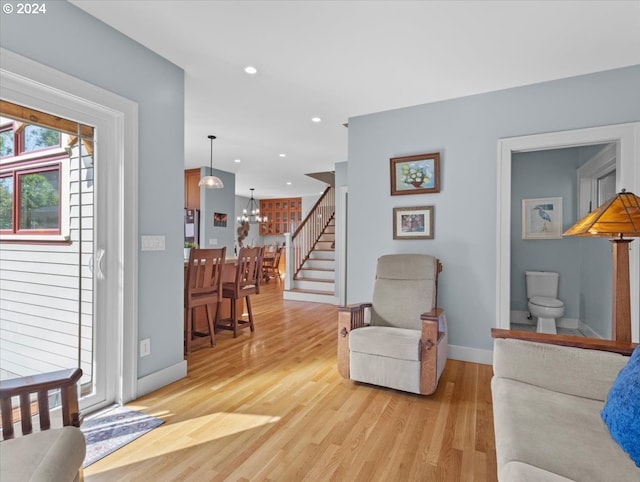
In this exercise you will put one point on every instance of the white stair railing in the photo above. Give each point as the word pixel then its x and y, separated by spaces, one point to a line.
pixel 302 242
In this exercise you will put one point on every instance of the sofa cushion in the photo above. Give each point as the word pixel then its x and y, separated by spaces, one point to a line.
pixel 555 432
pixel 55 454
pixel 621 412
pixel 533 362
pixel 387 342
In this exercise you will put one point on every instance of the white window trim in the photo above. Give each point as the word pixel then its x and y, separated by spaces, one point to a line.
pixel 603 163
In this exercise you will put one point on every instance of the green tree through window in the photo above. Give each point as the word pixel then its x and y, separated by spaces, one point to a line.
pixel 39 198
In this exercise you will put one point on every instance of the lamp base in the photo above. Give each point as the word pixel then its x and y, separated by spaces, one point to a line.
pixel 621 306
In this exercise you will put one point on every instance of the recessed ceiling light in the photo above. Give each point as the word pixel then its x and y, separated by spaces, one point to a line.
pixel 237 160
pixel 317 120
pixel 283 154
pixel 251 70
pixel 288 183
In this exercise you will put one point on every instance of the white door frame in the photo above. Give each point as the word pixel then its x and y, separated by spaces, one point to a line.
pixel 31 84
pixel 627 138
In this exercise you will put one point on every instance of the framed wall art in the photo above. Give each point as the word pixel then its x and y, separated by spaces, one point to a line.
pixel 413 222
pixel 542 218
pixel 418 174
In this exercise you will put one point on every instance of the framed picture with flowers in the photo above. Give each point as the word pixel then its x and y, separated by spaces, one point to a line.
pixel 419 174
pixel 413 222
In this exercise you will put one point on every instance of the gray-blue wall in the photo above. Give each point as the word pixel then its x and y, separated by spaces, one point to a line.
pixel 218 201
pixel 71 41
pixel 465 132
pixel 544 174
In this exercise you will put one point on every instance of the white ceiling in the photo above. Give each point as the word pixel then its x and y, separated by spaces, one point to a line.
pixel 339 59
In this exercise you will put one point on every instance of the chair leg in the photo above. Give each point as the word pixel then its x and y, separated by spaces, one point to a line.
pixel 210 322
pixel 188 330
pixel 249 313
pixel 234 316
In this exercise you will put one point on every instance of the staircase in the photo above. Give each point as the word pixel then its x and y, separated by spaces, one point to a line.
pixel 311 256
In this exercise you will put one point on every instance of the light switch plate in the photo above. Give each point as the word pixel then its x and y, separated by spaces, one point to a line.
pixel 153 243
pixel 213 242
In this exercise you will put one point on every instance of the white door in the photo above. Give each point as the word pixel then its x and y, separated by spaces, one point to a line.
pixel 89 294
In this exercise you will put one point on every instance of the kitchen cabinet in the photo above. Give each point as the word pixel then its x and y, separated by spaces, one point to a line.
pixel 191 188
pixel 283 215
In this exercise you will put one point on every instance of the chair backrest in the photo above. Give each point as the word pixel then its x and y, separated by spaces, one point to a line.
pixel 249 268
pixel 405 287
pixel 25 387
pixel 204 272
pixel 276 257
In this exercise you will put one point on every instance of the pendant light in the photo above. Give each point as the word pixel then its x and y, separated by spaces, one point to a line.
pixel 211 181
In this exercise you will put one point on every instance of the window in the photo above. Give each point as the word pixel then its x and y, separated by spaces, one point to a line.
pixel 33 177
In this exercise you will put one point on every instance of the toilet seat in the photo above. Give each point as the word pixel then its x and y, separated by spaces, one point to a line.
pixel 545 302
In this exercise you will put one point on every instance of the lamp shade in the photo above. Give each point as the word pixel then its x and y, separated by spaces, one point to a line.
pixel 211 182
pixel 619 216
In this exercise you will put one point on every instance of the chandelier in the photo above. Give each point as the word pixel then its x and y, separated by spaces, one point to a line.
pixel 251 214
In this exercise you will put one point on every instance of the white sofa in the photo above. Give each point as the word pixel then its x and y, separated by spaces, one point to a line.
pixel 546 406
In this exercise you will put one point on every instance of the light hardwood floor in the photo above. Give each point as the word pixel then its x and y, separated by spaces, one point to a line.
pixel 271 406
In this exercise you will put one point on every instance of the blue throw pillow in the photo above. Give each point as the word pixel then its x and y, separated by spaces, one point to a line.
pixel 621 412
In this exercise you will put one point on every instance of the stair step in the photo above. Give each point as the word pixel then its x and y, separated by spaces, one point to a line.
pixel 315 292
pixel 316 280
pixel 317 269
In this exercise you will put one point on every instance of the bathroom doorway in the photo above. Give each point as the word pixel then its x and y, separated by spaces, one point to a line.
pixel 583 264
pixel 627 167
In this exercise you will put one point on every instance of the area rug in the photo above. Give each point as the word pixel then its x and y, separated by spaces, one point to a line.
pixel 113 428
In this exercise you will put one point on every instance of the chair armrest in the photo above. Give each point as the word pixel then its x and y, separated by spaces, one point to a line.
pixel 24 387
pixel 431 334
pixel 621 347
pixel 350 317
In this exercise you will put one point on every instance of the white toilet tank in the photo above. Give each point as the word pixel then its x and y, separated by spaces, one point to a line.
pixel 542 283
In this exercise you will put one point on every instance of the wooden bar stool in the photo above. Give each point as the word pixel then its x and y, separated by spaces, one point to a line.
pixel 203 287
pixel 247 282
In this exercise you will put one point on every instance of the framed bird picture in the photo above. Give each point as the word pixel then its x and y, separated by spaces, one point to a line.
pixel 542 218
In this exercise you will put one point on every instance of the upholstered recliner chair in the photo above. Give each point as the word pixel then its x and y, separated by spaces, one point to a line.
pixel 399 340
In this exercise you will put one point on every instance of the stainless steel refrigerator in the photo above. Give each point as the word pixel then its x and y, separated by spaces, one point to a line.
pixel 192 226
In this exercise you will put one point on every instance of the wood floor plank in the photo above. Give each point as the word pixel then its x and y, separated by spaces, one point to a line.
pixel 271 406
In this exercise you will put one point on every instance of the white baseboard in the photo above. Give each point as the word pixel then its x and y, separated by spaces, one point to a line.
pixel 467 354
pixel 161 378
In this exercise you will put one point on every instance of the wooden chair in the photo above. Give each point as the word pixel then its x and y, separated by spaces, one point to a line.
pixel 402 344
pixel 248 276
pixel 51 453
pixel 271 266
pixel 203 287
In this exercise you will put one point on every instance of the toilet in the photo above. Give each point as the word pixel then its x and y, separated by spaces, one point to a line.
pixel 542 294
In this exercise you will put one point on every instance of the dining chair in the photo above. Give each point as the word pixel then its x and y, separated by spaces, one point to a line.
pixel 203 287
pixel 271 265
pixel 247 280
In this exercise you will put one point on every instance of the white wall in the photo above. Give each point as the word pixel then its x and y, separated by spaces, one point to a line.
pixel 465 132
